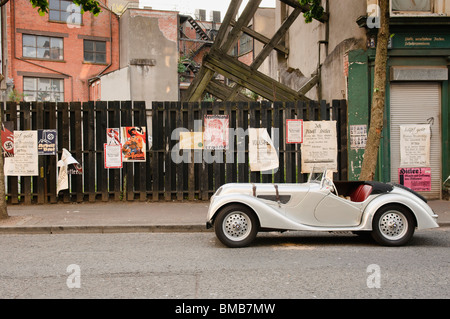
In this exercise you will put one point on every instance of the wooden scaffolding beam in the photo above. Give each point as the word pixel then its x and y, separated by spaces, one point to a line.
pixel 218 61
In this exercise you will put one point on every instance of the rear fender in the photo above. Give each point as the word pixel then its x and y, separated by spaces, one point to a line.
pixel 424 216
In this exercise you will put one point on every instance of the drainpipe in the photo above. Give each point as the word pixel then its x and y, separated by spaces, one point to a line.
pixel 324 42
pixel 13 31
pixel 90 80
pixel 319 69
pixel 4 53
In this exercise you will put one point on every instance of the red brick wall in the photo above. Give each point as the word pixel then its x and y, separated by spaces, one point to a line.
pixel 23 19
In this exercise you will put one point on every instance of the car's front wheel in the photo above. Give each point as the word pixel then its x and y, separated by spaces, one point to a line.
pixel 393 225
pixel 236 226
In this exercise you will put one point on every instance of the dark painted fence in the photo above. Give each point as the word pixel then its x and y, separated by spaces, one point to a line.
pixel 82 128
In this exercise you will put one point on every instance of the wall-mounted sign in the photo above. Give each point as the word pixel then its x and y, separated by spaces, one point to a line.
pixel 415 145
pixel 420 41
pixel 417 178
pixel 358 137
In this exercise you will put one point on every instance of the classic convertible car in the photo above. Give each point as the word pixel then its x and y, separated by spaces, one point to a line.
pixel 389 212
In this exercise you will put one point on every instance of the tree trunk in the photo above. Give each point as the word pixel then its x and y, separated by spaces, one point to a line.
pixel 3 208
pixel 378 99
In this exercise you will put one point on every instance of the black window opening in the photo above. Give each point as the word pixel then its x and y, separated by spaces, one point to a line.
pixel 94 51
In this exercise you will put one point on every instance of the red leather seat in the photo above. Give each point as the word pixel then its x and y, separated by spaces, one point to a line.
pixel 361 193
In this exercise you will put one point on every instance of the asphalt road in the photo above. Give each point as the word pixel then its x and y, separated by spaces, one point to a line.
pixel 195 265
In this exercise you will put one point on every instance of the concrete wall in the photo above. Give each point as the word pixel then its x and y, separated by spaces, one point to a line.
pixel 116 86
pixel 342 33
pixel 263 23
pixel 149 50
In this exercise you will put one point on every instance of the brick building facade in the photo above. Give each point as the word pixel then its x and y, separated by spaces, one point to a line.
pixel 68 56
pixel 57 56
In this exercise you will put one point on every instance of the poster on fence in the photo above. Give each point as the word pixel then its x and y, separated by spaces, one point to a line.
pixel 417 178
pixel 215 136
pixel 294 131
pixel 319 148
pixel 47 142
pixel 262 153
pixel 112 136
pixel 7 136
pixel 113 155
pixel 358 137
pixel 191 140
pixel 63 178
pixel 25 160
pixel 75 168
pixel 133 140
pixel 415 141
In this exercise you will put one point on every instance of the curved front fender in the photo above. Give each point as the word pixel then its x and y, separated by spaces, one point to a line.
pixel 270 216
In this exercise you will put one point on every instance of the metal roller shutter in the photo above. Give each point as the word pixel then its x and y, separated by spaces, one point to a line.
pixel 417 103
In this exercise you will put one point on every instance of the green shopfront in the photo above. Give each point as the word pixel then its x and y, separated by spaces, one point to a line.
pixel 414 150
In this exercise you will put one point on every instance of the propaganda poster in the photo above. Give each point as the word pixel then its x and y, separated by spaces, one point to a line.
pixel 133 140
pixel 216 133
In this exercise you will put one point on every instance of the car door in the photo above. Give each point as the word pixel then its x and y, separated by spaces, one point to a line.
pixel 302 206
pixel 337 211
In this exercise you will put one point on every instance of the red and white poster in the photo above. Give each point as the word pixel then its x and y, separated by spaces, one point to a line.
pixel 7 136
pixel 112 136
pixel 216 132
pixel 416 178
pixel 133 143
pixel 113 155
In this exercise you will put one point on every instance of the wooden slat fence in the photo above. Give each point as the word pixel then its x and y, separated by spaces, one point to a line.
pixel 82 128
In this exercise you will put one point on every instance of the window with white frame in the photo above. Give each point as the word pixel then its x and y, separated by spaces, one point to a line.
pixel 411 5
pixel 64 11
pixel 418 7
pixel 43 89
pixel 42 47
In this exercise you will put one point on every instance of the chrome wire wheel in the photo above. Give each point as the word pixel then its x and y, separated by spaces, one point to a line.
pixel 393 225
pixel 237 226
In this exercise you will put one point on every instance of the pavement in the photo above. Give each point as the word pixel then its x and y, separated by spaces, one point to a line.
pixel 109 217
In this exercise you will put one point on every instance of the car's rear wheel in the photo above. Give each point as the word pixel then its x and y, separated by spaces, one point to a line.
pixel 236 226
pixel 393 225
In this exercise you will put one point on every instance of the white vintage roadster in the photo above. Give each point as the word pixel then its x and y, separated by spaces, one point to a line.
pixel 389 212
